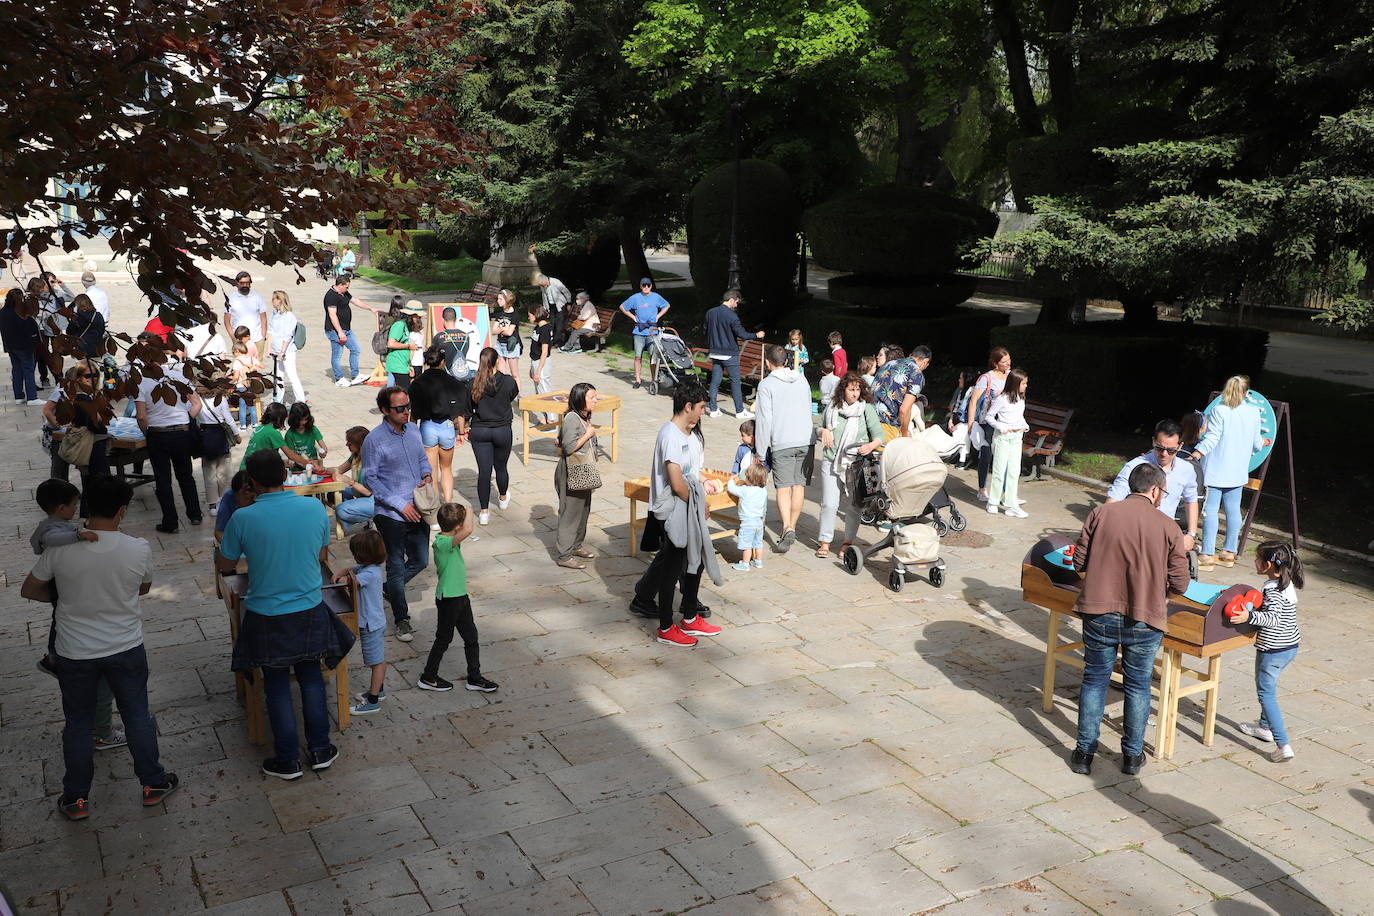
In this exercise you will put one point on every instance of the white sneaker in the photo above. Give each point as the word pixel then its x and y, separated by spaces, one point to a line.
pixel 213 510
pixel 1255 730
pixel 483 517
pixel 1017 512
pixel 715 414
pixel 18 400
pixel 342 383
pixel 362 379
pixel 503 502
pixel 992 508
pixel 1282 754
pixel 745 415
pixel 37 402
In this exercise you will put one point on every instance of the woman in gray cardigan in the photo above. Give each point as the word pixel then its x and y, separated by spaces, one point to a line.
pixel 576 437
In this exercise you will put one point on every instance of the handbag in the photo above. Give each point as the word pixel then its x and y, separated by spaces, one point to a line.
pixel 76 446
pixel 427 501
pixel 583 474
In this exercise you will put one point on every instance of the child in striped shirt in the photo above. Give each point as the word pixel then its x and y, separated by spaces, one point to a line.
pixel 1277 643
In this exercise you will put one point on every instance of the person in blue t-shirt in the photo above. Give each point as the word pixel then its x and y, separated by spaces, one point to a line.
pixel 644 308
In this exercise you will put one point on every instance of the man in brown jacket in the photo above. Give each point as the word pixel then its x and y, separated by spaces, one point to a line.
pixel 1132 557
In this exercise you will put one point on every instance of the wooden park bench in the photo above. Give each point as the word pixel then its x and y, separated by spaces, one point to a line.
pixel 604 316
pixel 1042 443
pixel 751 365
pixel 484 292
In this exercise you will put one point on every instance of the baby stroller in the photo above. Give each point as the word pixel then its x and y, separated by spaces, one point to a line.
pixel 669 359
pixel 939 502
pixel 911 474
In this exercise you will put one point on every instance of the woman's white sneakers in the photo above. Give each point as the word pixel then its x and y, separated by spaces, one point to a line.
pixel 483 517
pixel 502 502
pixel 1016 512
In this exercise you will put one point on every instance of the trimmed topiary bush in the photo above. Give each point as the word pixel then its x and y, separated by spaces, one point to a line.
pixel 589 262
pixel 1122 379
pixel 430 244
pixel 914 296
pixel 769 219
pixel 895 230
pixel 1064 164
pixel 469 234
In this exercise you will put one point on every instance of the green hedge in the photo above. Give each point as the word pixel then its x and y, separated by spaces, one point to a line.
pixel 769 219
pixel 914 296
pixel 430 244
pixel 895 230
pixel 469 234
pixel 1126 380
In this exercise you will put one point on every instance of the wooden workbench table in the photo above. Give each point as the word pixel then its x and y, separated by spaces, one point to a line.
pixel 556 403
pixel 719 506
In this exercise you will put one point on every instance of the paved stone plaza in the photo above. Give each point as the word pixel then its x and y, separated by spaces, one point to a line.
pixel 838 749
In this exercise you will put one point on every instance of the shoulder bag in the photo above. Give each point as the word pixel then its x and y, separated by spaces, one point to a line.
pixel 583 474
pixel 76 446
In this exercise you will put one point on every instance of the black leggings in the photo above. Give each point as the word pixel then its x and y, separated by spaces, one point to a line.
pixel 491 447
pixel 985 455
pixel 454 613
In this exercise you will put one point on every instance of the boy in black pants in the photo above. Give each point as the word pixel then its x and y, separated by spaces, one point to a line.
pixel 451 601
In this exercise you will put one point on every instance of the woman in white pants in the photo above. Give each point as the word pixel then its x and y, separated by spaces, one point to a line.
pixel 281 333
pixel 849 420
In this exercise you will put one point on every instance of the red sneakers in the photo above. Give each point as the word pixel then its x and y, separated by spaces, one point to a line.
pixel 674 636
pixel 699 626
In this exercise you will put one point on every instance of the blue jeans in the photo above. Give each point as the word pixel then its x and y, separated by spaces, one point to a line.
pixel 126 673
pixel 276 688
pixel 718 368
pixel 1268 667
pixel 248 408
pixel 1139 643
pixel 1227 498
pixel 354 510
pixel 336 353
pixel 407 554
pixel 22 366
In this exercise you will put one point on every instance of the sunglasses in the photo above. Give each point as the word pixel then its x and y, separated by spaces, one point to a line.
pixel 401 408
pixel 1163 450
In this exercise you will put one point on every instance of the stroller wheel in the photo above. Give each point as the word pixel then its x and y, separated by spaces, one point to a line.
pixel 868 516
pixel 941 528
pixel 896 580
pixel 937 576
pixel 853 560
pixel 956 521
pixel 652 386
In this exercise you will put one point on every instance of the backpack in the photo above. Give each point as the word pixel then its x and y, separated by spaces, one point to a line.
pixel 379 339
pixel 299 338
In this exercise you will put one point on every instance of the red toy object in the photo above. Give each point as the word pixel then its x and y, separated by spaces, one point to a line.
pixel 1247 601
pixel 1068 551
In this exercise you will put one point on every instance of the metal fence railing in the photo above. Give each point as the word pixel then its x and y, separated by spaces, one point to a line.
pixel 1000 266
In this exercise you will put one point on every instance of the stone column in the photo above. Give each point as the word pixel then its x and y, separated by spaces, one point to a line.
pixel 512 265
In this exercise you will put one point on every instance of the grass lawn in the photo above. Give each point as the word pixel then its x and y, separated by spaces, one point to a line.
pixel 456 274
pixel 1333 476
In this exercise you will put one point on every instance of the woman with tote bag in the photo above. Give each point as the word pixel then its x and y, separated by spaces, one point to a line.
pixel 576 478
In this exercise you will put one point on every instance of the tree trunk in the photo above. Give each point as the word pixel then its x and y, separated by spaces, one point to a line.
pixel 1018 74
pixel 1055 310
pixel 632 250
pixel 1139 309
pixel 920 150
pixel 1059 22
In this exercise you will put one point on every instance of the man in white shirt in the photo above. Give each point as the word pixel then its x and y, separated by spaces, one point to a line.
pixel 167 430
pixel 99 298
pixel 246 309
pixel 98 633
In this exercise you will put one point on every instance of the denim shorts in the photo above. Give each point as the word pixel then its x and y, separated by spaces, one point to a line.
pixel 749 536
pixel 641 341
pixel 510 350
pixel 373 644
pixel 440 434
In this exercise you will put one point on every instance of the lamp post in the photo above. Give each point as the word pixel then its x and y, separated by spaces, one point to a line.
pixel 732 98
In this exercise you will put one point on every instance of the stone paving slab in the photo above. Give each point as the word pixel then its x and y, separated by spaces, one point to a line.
pixel 839 749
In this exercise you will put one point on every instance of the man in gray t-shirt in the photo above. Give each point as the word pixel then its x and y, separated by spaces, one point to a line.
pixel 678 458
pixel 99 633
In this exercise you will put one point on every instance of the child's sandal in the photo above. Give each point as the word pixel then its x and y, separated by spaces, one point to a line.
pixel 823 550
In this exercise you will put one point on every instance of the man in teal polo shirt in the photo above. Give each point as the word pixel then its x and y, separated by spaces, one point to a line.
pixel 287 628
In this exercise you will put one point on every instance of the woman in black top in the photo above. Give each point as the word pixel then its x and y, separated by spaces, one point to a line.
pixel 19 331
pixel 435 404
pixel 487 407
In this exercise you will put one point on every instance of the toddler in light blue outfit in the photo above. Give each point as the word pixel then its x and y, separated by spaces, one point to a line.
pixel 752 494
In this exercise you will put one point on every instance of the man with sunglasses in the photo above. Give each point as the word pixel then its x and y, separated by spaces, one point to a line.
pixel 394 456
pixel 1181 480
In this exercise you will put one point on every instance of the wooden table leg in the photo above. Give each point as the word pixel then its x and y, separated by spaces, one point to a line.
pixel 1209 716
pixel 615 435
pixel 1166 673
pixel 525 430
pixel 1051 661
pixel 634 541
pixel 1175 675
pixel 341 691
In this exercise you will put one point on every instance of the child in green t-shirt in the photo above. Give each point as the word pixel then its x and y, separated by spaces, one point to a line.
pixel 302 435
pixel 269 435
pixel 451 601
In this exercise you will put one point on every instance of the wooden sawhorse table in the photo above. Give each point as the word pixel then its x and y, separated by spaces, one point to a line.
pixel 556 402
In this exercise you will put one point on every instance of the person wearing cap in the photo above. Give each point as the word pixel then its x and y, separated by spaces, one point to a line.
pixel 644 308
pixel 723 334
pixel 99 298
pixel 584 323
pixel 244 308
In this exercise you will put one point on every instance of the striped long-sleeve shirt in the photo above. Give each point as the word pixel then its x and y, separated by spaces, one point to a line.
pixel 1277 618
